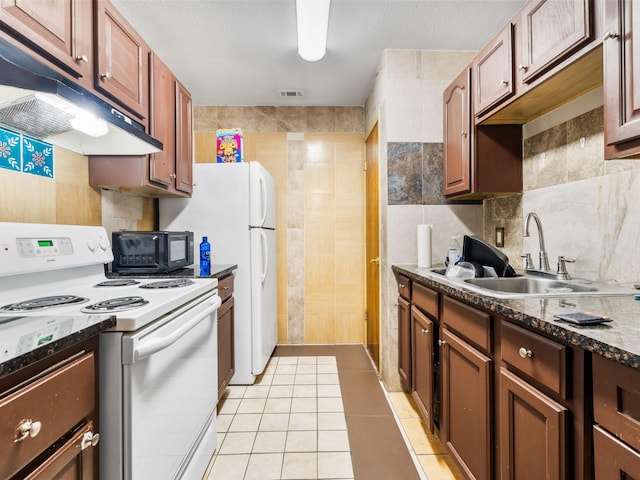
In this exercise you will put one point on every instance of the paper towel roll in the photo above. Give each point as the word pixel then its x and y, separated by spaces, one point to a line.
pixel 424 246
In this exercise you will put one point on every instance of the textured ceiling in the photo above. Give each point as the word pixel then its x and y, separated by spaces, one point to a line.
pixel 241 52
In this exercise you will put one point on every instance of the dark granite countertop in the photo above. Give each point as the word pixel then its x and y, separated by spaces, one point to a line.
pixel 24 340
pixel 217 271
pixel 618 340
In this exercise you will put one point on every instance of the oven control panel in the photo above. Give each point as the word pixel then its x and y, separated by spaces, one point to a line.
pixel 36 248
pixel 46 247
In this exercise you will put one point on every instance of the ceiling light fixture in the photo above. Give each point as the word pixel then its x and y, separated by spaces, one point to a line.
pixel 313 22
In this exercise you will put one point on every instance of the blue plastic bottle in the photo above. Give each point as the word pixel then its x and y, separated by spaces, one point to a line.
pixel 205 258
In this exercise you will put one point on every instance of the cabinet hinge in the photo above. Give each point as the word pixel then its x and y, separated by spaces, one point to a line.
pixel 366 315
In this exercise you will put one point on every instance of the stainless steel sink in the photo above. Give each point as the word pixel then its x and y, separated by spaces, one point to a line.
pixel 523 286
pixel 532 286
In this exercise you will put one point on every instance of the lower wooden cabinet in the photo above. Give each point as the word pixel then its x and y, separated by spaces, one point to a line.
pixel 73 461
pixel 49 415
pixel 404 343
pixel 616 405
pixel 532 432
pixel 466 425
pixel 226 319
pixel 612 458
pixel 422 332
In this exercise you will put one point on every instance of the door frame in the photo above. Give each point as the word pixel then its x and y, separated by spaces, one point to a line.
pixel 372 244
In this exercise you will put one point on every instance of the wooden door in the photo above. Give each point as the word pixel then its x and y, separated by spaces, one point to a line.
pixel 493 72
pixel 466 406
pixel 162 122
pixel 532 432
pixel 123 63
pixel 184 136
pixel 404 343
pixel 621 79
pixel 457 135
pixel 60 30
pixel 422 365
pixel 373 247
pixel 550 31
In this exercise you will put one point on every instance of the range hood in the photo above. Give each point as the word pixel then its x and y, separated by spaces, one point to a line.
pixel 39 102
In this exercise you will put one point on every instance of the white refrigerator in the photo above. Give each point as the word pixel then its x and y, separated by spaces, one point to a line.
pixel 234 205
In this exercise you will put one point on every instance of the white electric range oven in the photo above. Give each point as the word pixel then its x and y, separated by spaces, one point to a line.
pixel 158 365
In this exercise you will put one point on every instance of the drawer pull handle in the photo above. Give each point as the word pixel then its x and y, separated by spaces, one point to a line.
pixel 89 439
pixel 27 428
pixel 524 353
pixel 425 331
pixel 442 343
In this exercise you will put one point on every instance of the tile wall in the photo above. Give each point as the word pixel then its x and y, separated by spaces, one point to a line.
pixel 589 207
pixel 406 102
pixel 67 198
pixel 316 156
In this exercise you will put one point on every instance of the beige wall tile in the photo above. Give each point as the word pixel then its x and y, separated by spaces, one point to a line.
pixel 71 167
pixel 349 327
pixel 78 205
pixel 27 198
pixel 319 178
pixel 204 147
pixel 319 329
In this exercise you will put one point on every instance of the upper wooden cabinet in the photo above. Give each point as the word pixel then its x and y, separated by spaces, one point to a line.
pixel 184 140
pixel 164 174
pixel 621 80
pixel 493 72
pixel 162 122
pixel 549 31
pixel 60 31
pixel 457 135
pixel 122 63
pixel 479 160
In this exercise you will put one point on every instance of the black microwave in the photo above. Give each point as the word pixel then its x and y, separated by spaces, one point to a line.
pixel 151 252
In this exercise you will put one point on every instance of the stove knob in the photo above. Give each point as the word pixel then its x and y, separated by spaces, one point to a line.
pixel 104 243
pixel 92 243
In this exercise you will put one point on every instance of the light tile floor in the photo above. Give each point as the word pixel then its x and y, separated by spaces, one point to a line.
pixel 289 425
pixel 434 463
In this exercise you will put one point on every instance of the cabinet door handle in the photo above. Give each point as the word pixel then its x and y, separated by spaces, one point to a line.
pixel 425 331
pixel 82 58
pixel 375 260
pixel 609 35
pixel 105 76
pixel 89 439
pixel 522 67
pixel 27 428
pixel 401 285
pixel 173 176
pixel 504 82
pixel 524 353
pixel 442 343
pixel 463 133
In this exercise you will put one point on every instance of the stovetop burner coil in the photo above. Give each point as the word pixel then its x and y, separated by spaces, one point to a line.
pixel 173 283
pixel 116 304
pixel 119 282
pixel 43 303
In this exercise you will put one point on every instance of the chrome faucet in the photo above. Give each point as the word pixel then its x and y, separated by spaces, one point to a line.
pixel 544 260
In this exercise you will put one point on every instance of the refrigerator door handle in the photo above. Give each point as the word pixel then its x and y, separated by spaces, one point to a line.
pixel 265 257
pixel 263 196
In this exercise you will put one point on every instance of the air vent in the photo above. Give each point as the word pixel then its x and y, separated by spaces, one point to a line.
pixel 291 93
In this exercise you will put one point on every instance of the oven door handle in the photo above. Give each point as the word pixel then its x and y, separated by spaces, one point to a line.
pixel 154 344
